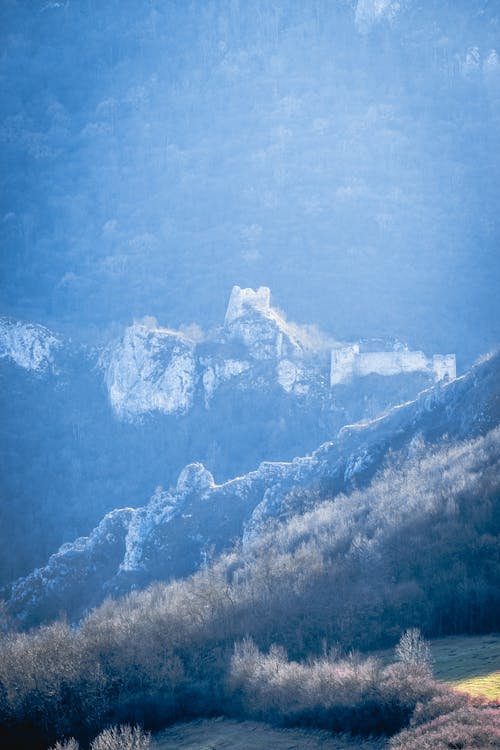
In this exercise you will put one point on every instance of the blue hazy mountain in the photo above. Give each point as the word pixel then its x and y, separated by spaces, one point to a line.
pixel 181 465
pixel 177 530
pixel 344 154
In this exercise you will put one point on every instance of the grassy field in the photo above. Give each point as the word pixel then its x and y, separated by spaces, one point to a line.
pixel 466 662
pixel 227 734
pixel 469 663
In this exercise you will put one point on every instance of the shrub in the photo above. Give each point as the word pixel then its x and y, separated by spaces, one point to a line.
pixel 468 728
pixel 444 702
pixel 351 694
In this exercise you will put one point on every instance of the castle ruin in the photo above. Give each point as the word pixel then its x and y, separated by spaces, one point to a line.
pixel 348 361
pixel 251 319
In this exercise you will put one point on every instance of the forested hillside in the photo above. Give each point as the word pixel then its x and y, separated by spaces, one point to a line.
pixel 156 153
pixel 418 548
pixel 180 528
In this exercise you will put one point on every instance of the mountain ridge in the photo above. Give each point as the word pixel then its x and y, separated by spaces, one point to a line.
pixel 90 426
pixel 152 368
pixel 174 533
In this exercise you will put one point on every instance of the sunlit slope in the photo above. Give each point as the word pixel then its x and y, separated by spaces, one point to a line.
pixel 169 536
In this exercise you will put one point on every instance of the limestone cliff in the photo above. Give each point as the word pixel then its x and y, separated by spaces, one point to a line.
pixel 155 369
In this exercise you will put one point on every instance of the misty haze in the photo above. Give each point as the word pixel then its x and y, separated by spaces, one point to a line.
pixel 250 374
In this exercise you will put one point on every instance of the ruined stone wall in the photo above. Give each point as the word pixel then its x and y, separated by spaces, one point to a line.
pixel 348 362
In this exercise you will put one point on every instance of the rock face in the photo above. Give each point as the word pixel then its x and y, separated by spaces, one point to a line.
pixel 155 369
pixel 29 346
pixel 174 532
pixel 151 369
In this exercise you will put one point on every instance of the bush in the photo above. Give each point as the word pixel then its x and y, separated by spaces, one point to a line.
pixel 357 695
pixel 468 728
pixel 444 702
pixel 115 738
pixel 70 744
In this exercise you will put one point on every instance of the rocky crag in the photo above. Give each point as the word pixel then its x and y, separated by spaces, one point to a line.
pixel 86 428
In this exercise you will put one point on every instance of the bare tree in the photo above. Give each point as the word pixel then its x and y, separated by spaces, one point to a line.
pixel 70 744
pixel 413 649
pixel 122 738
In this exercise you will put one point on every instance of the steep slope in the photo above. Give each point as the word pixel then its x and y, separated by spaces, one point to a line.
pixel 175 532
pixel 87 428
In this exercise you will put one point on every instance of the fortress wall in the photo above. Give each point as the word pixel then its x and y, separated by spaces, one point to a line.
pixel 390 363
pixel 348 362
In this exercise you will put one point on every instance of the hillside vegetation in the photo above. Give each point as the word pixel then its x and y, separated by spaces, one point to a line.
pixel 175 533
pixel 419 547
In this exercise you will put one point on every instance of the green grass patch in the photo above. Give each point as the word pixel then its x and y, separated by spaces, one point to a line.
pixel 487 685
pixel 463 658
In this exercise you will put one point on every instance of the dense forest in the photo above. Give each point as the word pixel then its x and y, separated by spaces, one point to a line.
pixel 157 152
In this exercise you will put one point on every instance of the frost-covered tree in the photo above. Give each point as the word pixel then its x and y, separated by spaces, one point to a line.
pixel 122 738
pixel 413 649
pixel 70 744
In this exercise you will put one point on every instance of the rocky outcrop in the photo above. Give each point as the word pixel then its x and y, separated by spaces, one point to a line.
pixel 151 369
pixel 154 369
pixel 157 370
pixel 28 346
pixel 91 428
